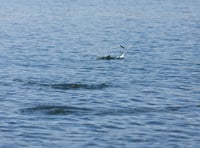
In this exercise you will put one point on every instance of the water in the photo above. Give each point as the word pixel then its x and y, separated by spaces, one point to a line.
pixel 55 93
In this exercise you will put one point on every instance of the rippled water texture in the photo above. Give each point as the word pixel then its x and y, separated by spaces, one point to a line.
pixel 61 85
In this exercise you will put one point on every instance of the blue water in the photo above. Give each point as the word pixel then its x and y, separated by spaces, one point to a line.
pixel 54 92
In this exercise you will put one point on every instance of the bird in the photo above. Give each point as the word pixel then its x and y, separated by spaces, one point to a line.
pixel 109 57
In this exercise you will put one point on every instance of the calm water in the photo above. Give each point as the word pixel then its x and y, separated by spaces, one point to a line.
pixel 55 93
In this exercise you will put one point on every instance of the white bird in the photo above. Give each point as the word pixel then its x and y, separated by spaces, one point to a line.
pixel 109 57
pixel 123 54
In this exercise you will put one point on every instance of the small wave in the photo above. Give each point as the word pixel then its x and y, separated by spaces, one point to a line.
pixel 177 59
pixel 54 110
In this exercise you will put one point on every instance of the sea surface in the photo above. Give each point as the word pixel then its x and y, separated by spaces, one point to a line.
pixel 56 92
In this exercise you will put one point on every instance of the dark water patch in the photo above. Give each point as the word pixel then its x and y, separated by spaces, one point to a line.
pixel 177 59
pixel 155 123
pixel 182 88
pixel 174 108
pixel 180 109
pixel 149 92
pixel 79 86
pixel 136 99
pixel 64 86
pixel 67 110
pixel 54 110
pixel 18 80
